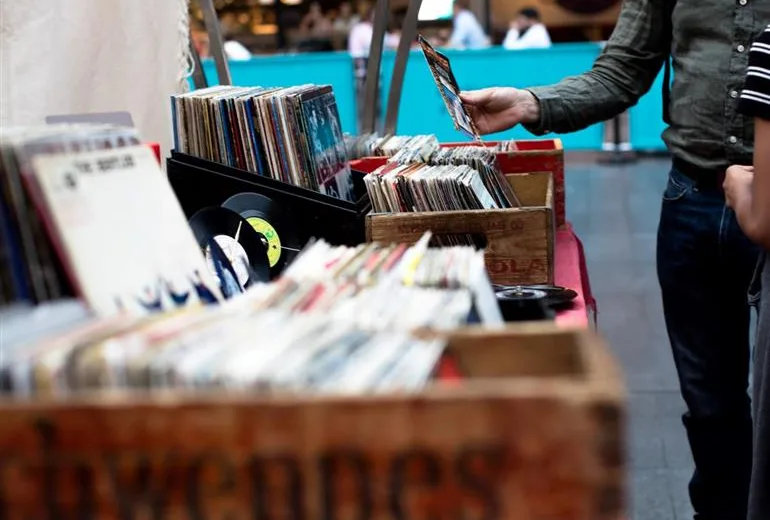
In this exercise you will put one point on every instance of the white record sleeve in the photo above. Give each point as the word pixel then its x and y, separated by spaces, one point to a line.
pixel 122 233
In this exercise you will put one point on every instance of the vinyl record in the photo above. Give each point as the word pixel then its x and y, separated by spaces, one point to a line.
pixel 241 244
pixel 273 224
pixel 521 304
pixel 521 294
pixel 553 295
pixel 557 296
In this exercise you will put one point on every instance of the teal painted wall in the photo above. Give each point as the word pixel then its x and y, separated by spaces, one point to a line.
pixel 422 110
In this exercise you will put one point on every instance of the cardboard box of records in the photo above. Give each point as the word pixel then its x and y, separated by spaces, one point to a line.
pixel 535 155
pixel 518 242
pixel 534 430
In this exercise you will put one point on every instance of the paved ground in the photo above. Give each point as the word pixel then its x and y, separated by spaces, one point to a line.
pixel 615 210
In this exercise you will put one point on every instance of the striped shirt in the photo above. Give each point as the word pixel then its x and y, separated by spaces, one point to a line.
pixel 755 96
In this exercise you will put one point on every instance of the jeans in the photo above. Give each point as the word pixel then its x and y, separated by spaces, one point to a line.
pixel 705 265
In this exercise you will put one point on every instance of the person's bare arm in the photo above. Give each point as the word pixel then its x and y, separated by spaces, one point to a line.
pixel 749 195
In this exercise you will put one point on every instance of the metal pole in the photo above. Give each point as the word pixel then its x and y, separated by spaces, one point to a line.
pixel 372 85
pixel 280 35
pixel 215 41
pixel 408 34
pixel 198 76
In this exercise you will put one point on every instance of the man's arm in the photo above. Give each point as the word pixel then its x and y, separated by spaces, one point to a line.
pixel 623 72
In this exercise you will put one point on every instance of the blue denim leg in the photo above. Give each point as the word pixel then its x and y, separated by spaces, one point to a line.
pixel 705 265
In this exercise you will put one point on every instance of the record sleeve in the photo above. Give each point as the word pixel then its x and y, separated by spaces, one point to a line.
pixel 447 86
pixel 122 234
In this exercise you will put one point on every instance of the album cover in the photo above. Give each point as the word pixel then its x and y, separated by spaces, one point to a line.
pixel 290 134
pixel 327 144
pixel 120 231
pixel 446 83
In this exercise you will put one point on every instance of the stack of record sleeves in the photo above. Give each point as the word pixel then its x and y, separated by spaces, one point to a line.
pixel 289 134
pixel 422 176
pixel 420 187
pixel 86 211
pixel 374 145
pixel 340 321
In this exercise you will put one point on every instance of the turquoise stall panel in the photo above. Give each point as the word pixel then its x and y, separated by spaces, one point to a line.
pixel 329 68
pixel 422 110
pixel 646 120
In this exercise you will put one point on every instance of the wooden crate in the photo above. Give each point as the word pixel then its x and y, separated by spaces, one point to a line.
pixel 534 431
pixel 536 155
pixel 519 241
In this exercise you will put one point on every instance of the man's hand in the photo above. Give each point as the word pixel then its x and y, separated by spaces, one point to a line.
pixel 737 184
pixel 500 108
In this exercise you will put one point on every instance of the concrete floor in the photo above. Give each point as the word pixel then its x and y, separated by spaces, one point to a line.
pixel 615 211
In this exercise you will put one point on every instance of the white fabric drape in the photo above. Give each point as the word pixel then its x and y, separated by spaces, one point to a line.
pixel 86 56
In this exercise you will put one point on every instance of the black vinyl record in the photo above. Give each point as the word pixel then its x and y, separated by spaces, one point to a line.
pixel 521 294
pixel 522 304
pixel 274 226
pixel 236 238
pixel 555 295
pixel 552 295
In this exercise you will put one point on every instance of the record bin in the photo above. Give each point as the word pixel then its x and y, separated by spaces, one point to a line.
pixel 535 155
pixel 519 242
pixel 199 183
pixel 533 430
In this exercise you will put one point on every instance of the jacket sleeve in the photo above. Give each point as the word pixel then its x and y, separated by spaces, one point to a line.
pixel 624 71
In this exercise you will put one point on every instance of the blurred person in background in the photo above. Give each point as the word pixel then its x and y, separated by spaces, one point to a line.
pixel 316 31
pixel 467 32
pixel 527 32
pixel 200 38
pixel 360 38
pixel 234 50
pixel 346 19
pixel 315 24
pixel 704 260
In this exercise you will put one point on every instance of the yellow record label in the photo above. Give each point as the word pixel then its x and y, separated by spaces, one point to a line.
pixel 264 228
